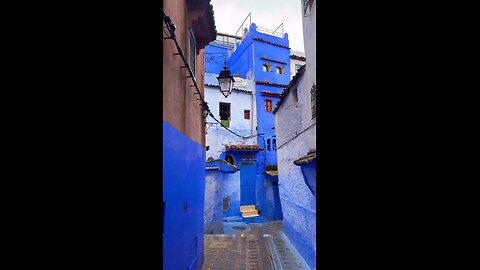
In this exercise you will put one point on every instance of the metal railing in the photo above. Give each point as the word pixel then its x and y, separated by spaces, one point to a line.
pixel 271 32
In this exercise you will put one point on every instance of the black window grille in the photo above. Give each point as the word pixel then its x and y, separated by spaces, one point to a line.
pixel 268 144
pixel 313 93
pixel 224 111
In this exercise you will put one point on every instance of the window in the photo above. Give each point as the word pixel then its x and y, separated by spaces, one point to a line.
pixel 230 159
pixel 268 105
pixel 274 144
pixel 266 67
pixel 193 52
pixel 225 114
pixel 297 67
pixel 246 114
pixel 268 144
pixel 313 94
pixel 279 70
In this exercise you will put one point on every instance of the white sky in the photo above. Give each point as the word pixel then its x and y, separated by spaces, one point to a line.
pixel 269 14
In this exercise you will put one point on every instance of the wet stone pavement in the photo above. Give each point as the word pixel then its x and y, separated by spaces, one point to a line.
pixel 251 246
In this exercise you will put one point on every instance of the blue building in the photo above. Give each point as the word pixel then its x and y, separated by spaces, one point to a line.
pixel 263 58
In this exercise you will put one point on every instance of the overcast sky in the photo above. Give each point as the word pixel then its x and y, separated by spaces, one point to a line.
pixel 229 14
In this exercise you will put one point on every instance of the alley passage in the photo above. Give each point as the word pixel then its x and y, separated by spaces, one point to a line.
pixel 252 246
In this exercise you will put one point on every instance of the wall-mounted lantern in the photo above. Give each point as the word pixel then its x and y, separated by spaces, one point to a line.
pixel 225 81
pixel 206 110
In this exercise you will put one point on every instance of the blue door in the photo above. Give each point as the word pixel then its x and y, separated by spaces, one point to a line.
pixel 247 182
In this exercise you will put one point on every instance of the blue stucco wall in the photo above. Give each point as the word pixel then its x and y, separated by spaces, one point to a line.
pixel 310 175
pixel 231 189
pixel 266 124
pixel 214 57
pixel 213 201
pixel 183 195
pixel 273 208
pixel 247 61
pixel 241 61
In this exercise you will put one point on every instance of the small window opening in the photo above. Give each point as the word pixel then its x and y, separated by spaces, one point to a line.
pixel 246 114
pixel 268 144
pixel 268 105
pixel 266 67
pixel 230 159
pixel 279 70
pixel 274 144
pixel 225 114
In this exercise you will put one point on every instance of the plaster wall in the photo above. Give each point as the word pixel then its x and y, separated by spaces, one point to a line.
pixel 183 200
pixel 180 107
pixel 298 202
pixel 294 62
pixel 310 41
pixel 266 124
pixel 241 60
pixel 217 136
pixel 231 190
pixel 295 137
pixel 215 57
pixel 214 201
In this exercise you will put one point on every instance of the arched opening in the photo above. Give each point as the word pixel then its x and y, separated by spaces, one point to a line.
pixel 279 70
pixel 230 159
pixel 266 67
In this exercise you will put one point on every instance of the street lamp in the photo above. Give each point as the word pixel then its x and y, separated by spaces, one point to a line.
pixel 225 81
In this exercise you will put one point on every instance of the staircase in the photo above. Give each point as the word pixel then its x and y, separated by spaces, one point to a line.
pixel 249 211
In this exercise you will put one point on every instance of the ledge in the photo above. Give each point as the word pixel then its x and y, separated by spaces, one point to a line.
pixel 271 94
pixel 305 160
pixel 271 43
pixel 273 60
pixel 267 83
pixel 272 173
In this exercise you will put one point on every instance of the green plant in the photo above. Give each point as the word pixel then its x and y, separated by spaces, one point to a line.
pixel 271 168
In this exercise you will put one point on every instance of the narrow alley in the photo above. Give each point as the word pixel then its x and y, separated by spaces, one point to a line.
pixel 251 246
pixel 239 119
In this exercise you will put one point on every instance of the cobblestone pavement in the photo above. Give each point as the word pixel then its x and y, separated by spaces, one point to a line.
pixel 253 247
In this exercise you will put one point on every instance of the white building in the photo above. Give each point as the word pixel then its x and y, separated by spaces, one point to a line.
pixel 297 60
pixel 295 123
pixel 235 112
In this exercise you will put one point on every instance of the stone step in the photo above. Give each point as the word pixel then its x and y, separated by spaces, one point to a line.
pixel 251 213
pixel 244 208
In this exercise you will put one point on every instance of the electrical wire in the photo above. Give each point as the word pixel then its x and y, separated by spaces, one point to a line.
pixel 171 29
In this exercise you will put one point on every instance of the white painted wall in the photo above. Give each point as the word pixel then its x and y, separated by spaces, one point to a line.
pixel 296 135
pixel 294 62
pixel 218 136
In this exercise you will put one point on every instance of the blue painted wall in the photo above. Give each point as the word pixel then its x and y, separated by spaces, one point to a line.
pixel 310 175
pixel 247 62
pixel 214 57
pixel 183 195
pixel 213 202
pixel 231 189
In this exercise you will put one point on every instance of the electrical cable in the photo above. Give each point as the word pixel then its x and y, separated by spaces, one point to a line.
pixel 171 29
